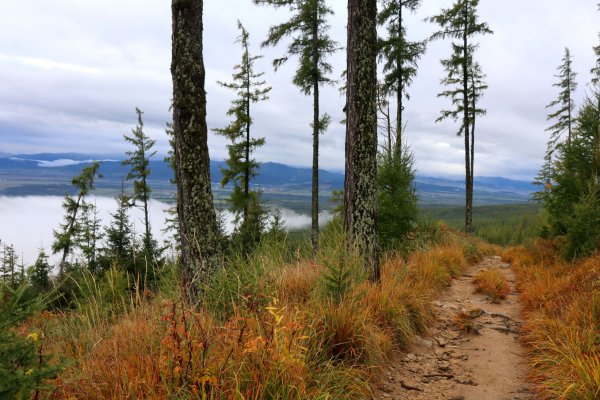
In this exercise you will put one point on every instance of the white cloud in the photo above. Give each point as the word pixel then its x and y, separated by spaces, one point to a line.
pixel 73 75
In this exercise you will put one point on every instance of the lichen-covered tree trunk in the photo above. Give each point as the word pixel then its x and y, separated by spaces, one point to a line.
pixel 360 200
pixel 197 220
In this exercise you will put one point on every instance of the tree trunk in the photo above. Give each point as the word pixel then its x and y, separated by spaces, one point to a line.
pixel 360 192
pixel 247 155
pixel 400 107
pixel 197 221
pixel 468 176
pixel 146 218
pixel 315 166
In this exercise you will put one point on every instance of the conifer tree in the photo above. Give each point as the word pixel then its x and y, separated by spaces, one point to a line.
pixel 118 235
pixel 460 22
pixel 564 105
pixel 9 265
pixel 89 235
pixel 197 221
pixel 360 186
pixel 241 168
pixel 399 56
pixel 65 238
pixel 310 42
pixel 139 161
pixel 39 272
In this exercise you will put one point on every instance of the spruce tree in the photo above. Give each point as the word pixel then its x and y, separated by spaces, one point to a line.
pixel 241 168
pixel 139 161
pixel 197 221
pixel 39 272
pixel 460 22
pixel 65 238
pixel 399 56
pixel 9 265
pixel 564 105
pixel 310 42
pixel 360 186
pixel 118 235
pixel 89 235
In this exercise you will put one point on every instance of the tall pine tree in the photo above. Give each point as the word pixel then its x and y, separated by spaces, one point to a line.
pixel 360 186
pixel 311 43
pixel 197 220
pixel 241 168
pixel 399 56
pixel 461 23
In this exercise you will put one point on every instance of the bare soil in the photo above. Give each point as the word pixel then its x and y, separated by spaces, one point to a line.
pixel 487 363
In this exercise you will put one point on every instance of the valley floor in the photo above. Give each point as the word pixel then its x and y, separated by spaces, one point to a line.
pixel 477 356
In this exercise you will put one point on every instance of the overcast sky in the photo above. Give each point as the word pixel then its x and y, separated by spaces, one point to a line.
pixel 73 71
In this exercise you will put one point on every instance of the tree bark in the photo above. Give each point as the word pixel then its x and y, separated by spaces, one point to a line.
pixel 315 166
pixel 468 175
pixel 400 106
pixel 247 155
pixel 360 192
pixel 197 221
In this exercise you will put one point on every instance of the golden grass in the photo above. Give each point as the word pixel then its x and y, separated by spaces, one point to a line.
pixel 292 342
pixel 562 310
pixel 492 283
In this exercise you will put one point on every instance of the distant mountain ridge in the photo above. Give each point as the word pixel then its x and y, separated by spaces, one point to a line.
pixel 16 170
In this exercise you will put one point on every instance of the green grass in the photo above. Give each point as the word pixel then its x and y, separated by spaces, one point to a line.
pixel 509 224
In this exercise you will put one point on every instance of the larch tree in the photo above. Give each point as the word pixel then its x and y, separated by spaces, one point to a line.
pixel 461 23
pixel 65 238
pixel 241 168
pixel 310 42
pixel 399 57
pixel 139 163
pixel 200 255
pixel 360 185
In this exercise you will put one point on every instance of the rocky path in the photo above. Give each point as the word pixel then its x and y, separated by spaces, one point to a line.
pixel 486 364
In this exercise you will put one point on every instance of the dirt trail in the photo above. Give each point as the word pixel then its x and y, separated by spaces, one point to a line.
pixel 454 365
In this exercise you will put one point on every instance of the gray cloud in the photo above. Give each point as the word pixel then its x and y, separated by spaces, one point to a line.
pixel 73 74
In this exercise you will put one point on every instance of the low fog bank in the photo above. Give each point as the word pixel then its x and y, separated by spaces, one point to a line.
pixel 28 222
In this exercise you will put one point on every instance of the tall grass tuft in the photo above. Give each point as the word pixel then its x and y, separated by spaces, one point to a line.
pixel 562 309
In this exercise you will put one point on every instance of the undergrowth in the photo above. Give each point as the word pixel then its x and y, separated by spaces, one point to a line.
pixel 273 325
pixel 562 310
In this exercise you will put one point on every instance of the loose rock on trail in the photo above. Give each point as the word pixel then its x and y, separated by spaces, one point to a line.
pixel 480 360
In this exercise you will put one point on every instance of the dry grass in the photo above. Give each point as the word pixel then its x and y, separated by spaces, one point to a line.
pixel 492 283
pixel 465 321
pixel 283 339
pixel 562 310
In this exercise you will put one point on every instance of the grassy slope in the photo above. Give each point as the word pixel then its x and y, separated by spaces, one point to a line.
pixel 272 326
pixel 562 310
